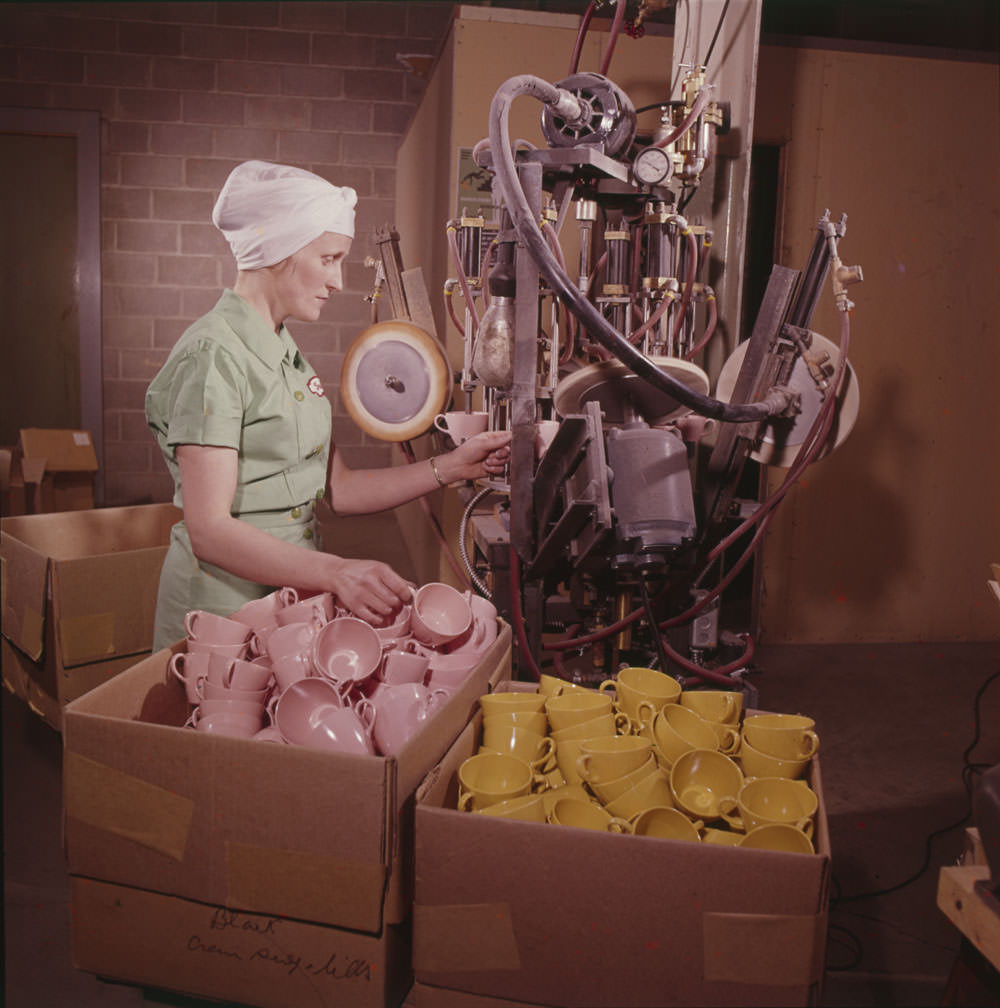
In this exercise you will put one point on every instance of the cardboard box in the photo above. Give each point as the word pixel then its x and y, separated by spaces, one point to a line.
pixel 79 598
pixel 160 941
pixel 556 916
pixel 52 470
pixel 321 839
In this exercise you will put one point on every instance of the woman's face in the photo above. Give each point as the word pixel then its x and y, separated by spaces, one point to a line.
pixel 306 279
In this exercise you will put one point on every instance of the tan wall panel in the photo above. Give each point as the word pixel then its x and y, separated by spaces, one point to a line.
pixel 889 538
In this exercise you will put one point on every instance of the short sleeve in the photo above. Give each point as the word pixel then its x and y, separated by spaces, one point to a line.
pixel 200 399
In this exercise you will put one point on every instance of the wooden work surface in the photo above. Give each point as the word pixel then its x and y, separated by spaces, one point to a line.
pixel 974 911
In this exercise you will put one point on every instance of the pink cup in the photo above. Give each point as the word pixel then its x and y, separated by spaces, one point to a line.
pixel 316 609
pixel 400 666
pixel 290 650
pixel 403 710
pixel 269 734
pixel 251 708
pixel 211 691
pixel 449 671
pixel 226 650
pixel 461 426
pixel 238 673
pixel 310 713
pixel 189 667
pixel 440 614
pixel 260 613
pixel 233 725
pixel 346 650
pixel 208 628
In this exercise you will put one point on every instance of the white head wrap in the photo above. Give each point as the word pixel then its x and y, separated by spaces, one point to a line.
pixel 268 211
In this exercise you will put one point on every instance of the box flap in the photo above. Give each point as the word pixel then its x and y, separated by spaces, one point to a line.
pixel 105 606
pixel 62 450
pixel 24 573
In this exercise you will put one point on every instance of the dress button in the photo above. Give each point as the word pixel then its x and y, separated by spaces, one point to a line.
pixel 299 395
pixel 296 512
pixel 308 534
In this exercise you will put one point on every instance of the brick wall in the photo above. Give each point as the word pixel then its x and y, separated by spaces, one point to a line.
pixel 186 91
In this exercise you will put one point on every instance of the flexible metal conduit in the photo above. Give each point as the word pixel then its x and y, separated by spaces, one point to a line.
pixel 530 233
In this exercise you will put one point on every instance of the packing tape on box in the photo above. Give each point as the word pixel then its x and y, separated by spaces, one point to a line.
pixel 464 937
pixel 87 638
pixel 775 950
pixel 325 887
pixel 127 806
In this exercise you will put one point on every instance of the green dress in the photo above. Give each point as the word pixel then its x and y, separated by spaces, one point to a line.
pixel 232 382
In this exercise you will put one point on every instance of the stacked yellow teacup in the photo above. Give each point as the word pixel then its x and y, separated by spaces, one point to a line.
pixel 642 755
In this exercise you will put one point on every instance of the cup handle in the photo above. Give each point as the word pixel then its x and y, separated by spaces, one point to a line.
pixel 727 809
pixel 539 782
pixel 441 423
pixel 288 596
pixel 730 744
pixel 190 619
pixel 366 713
pixel 193 718
pixel 464 801
pixel 542 762
pixel 608 686
pixel 623 724
pixel 177 665
pixel 646 707
pixel 806 825
pixel 617 825
pixel 582 762
pixel 199 685
pixel 812 743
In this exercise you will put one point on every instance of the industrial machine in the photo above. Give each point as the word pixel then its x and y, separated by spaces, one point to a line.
pixel 615 540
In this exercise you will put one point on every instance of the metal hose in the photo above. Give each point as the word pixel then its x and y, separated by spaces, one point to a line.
pixel 529 232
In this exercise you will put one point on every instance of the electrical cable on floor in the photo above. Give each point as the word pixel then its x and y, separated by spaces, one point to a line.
pixel 853 944
pixel 968 770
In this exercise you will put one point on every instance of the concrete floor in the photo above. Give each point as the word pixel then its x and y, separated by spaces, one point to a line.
pixel 894 720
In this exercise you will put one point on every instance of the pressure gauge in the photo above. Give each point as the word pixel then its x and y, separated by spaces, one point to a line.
pixel 652 166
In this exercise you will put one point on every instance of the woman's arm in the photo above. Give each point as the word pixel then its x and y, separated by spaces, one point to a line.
pixel 366 491
pixel 208 483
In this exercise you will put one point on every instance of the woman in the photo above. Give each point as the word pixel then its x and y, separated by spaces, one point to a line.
pixel 245 426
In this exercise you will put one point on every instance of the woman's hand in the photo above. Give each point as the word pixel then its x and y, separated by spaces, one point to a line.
pixel 369 588
pixel 481 457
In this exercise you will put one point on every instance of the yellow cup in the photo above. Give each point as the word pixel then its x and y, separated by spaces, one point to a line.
pixel 668 823
pixel 765 800
pixel 608 791
pixel 527 808
pixel 714 705
pixel 488 778
pixel 727 736
pixel 535 721
pixel 787 736
pixel 675 730
pixel 564 790
pixel 575 707
pixel 549 685
pixel 721 837
pixel 567 753
pixel 758 764
pixel 701 779
pixel 498 703
pixel 605 759
pixel 534 749
pixel 778 837
pixel 650 792
pixel 603 725
pixel 634 684
pixel 586 815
